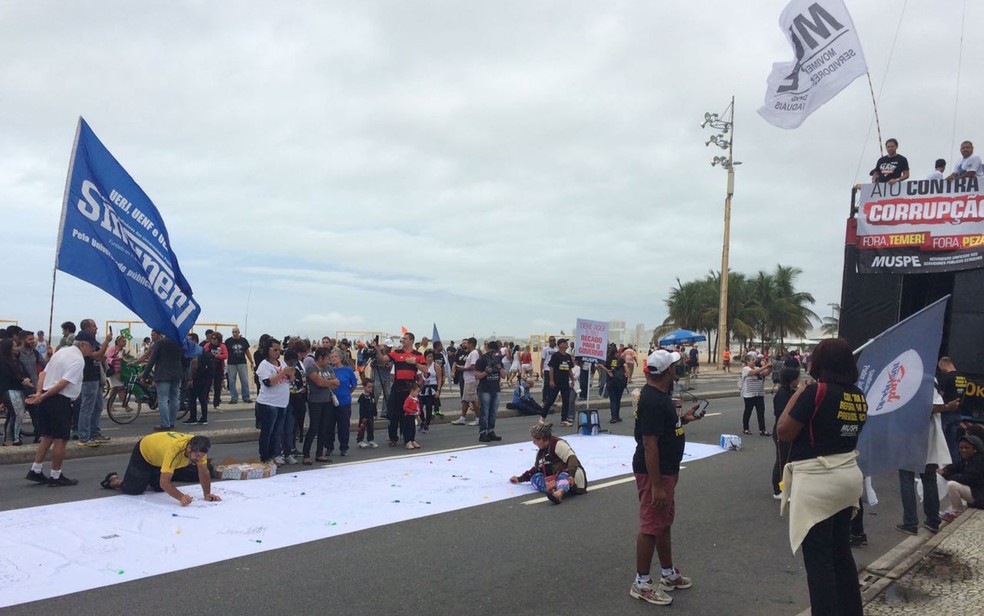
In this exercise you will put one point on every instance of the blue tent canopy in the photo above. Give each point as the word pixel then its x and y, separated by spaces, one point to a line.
pixel 681 336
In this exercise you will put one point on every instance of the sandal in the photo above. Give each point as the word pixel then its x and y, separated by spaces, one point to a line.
pixel 746 431
pixel 107 482
pixel 306 462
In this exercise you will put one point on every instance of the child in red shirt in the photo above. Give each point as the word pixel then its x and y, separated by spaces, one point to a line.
pixel 411 410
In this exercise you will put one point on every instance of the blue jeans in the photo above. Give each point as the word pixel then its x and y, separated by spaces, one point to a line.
pixel 271 430
pixel 931 497
pixel 951 426
pixel 167 402
pixel 90 410
pixel 287 434
pixel 489 401
pixel 241 372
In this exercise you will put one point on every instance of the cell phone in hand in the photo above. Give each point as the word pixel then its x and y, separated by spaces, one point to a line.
pixel 701 408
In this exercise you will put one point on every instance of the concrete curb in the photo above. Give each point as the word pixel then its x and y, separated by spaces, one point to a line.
pixel 25 453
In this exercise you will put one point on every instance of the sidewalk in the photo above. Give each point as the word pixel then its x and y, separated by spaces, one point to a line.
pixel 709 386
pixel 941 575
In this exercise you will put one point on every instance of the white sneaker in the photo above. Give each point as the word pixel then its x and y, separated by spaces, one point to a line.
pixel 651 593
pixel 473 422
pixel 279 461
pixel 291 460
pixel 374 444
pixel 363 444
pixel 459 422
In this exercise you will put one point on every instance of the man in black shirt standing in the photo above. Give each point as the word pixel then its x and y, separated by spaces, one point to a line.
pixel 660 442
pixel 891 168
pixel 950 416
pixel 239 358
pixel 560 377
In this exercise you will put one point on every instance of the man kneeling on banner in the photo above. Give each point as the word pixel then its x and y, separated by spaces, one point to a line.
pixel 556 470
pixel 159 458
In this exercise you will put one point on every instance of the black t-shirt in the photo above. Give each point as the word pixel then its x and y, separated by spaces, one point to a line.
pixel 561 365
pixel 835 427
pixel 237 350
pixel 948 386
pixel 459 360
pixel 617 366
pixel 90 370
pixel 489 382
pixel 657 415
pixel 890 168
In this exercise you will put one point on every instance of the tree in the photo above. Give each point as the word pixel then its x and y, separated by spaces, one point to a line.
pixel 767 306
pixel 831 325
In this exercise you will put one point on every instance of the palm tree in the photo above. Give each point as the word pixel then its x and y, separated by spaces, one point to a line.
pixel 688 306
pixel 790 312
pixel 831 325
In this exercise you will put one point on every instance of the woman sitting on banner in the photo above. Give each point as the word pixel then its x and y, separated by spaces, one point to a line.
pixel 822 482
pixel 965 477
pixel 556 470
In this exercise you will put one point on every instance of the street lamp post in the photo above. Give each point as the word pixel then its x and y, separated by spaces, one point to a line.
pixel 728 163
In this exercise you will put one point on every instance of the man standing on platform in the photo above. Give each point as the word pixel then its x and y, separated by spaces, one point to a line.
pixel 891 168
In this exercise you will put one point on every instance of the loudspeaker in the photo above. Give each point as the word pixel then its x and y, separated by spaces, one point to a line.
pixel 869 302
pixel 965 345
pixel 968 291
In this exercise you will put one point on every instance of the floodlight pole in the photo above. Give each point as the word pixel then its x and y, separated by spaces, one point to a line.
pixel 725 249
pixel 728 163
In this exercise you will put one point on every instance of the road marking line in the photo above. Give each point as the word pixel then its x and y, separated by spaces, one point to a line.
pixel 409 455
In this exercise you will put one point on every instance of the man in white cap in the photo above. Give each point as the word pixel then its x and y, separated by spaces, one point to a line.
pixel 58 386
pixel 660 443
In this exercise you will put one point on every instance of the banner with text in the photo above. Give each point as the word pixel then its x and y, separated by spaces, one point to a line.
pixel 828 58
pixel 113 237
pixel 591 339
pixel 920 226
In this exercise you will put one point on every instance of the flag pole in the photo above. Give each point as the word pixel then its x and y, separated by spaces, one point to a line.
pixel 61 224
pixel 874 105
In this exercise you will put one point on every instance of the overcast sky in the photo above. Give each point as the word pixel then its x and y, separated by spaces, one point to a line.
pixel 489 166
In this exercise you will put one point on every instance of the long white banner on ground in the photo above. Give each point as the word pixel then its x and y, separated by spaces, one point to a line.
pixel 61 549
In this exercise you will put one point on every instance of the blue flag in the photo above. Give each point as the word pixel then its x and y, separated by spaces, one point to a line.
pixel 112 236
pixel 896 375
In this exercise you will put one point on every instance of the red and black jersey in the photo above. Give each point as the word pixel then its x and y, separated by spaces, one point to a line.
pixel 405 372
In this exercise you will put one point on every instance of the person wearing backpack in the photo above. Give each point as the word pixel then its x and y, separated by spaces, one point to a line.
pixel 202 375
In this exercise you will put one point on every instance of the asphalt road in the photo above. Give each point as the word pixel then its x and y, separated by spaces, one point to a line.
pixel 505 557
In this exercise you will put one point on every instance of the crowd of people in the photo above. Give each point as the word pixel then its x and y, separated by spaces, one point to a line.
pixel 305 392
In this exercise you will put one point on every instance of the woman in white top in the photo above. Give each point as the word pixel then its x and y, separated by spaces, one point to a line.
pixel 271 405
pixel 753 392
pixel 428 395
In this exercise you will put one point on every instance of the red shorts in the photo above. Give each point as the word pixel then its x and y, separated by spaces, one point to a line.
pixel 654 520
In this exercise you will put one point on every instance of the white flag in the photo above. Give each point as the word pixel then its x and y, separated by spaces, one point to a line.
pixel 828 58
